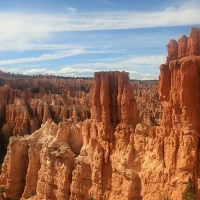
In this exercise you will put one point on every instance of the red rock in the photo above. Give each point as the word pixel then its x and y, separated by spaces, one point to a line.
pixel 182 46
pixel 185 46
pixel 193 45
pixel 112 98
pixel 172 48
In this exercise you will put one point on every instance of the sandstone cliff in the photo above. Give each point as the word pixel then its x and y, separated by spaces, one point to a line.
pixel 114 116
pixel 41 164
pixel 23 112
pixel 43 97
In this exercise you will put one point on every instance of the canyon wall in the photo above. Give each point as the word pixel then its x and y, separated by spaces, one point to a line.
pixel 148 103
pixel 40 165
pixel 23 112
pixel 97 170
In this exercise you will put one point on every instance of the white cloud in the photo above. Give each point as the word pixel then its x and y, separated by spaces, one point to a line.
pixel 14 70
pixel 149 60
pixel 79 72
pixel 34 45
pixel 39 25
pixel 28 31
pixel 25 31
pixel 43 57
pixel 70 9
pixel 36 71
pixel 66 71
pixel 133 65
pixel 53 56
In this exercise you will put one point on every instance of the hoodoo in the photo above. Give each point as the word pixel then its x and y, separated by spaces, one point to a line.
pixel 101 170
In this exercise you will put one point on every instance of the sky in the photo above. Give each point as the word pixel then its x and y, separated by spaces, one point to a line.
pixel 78 37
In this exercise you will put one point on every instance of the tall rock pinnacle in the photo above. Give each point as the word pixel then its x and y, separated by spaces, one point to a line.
pixel 112 98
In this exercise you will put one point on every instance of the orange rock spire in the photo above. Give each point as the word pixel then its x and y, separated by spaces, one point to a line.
pixel 112 98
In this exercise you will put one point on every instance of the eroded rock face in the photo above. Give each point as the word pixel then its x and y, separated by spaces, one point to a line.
pixel 105 139
pixel 112 98
pixel 179 86
pixel 22 113
pixel 148 103
pixel 39 102
pixel 14 168
pixel 41 164
pixel 119 160
pixel 186 46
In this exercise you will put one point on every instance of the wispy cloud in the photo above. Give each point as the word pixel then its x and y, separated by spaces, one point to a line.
pixel 40 24
pixel 135 66
pixel 55 55
pixel 80 72
pixel 70 9
pixel 43 57
pixel 24 31
pixel 42 31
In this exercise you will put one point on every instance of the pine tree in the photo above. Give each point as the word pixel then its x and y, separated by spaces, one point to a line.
pixel 166 198
pixel 189 192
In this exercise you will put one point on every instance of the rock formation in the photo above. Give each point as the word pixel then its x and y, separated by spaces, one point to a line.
pixel 22 112
pixel 57 98
pixel 41 164
pixel 148 103
pixel 105 136
pixel 111 155
pixel 186 46
pixel 179 86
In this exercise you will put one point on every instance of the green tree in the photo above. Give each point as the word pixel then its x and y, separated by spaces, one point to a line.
pixel 166 198
pixel 189 192
pixel 4 193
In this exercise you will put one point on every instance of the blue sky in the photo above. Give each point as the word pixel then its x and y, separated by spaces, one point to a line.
pixel 79 37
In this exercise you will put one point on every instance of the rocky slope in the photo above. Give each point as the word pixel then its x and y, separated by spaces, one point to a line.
pixel 23 112
pixel 148 103
pixel 42 163
pixel 26 102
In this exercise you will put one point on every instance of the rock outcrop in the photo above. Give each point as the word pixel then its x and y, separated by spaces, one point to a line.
pixel 148 103
pixel 106 136
pixel 49 97
pixel 186 46
pixel 23 112
pixel 143 162
pixel 41 164
pixel 179 91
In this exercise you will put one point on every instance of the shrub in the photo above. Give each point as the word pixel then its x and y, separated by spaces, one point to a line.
pixel 189 192
pixel 4 193
pixel 166 198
